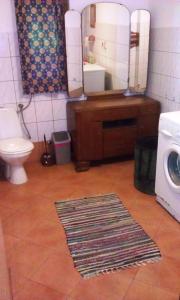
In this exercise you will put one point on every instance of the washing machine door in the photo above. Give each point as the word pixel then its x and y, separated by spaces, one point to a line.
pixel 172 167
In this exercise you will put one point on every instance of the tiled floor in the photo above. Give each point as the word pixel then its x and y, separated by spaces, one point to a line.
pixel 41 265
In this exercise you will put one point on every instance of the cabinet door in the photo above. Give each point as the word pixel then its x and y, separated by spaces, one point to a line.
pixel 89 138
pixel 119 141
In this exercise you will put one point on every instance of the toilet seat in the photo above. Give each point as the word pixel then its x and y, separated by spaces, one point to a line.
pixel 15 145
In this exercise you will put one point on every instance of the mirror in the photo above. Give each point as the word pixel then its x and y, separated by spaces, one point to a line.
pixel 102 55
pixel 74 53
pixel 105 38
pixel 140 26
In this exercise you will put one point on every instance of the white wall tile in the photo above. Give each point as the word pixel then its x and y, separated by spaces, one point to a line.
pixel 59 109
pixel 45 128
pixel 13 44
pixel 176 65
pixel 32 128
pixel 164 71
pixel 167 63
pixel 60 125
pixel 7 94
pixel 61 96
pixel 44 111
pixel 4 45
pixel 30 114
pixel 42 97
pixel 16 68
pixel 10 105
pixel 5 69
pixel 20 97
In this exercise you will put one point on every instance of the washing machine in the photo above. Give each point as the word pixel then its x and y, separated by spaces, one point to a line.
pixel 167 185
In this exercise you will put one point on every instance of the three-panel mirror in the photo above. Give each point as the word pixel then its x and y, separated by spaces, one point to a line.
pixel 107 49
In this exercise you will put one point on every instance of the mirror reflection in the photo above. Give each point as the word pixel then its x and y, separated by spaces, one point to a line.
pixel 105 38
pixel 140 26
pixel 74 53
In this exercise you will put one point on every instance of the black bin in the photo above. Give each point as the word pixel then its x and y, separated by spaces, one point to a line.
pixel 145 164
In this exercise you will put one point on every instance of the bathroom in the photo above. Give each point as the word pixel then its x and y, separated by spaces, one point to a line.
pixel 36 250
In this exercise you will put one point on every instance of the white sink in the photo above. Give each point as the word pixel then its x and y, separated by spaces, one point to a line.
pixel 94 78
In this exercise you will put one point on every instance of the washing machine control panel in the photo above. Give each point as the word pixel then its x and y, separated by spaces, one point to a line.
pixel 170 130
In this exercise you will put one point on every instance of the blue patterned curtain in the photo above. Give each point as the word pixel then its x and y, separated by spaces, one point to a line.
pixel 41 34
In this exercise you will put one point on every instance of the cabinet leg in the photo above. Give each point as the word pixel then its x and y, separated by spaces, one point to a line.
pixel 81 166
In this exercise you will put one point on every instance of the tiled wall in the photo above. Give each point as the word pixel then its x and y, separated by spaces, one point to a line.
pixel 164 64
pixel 164 67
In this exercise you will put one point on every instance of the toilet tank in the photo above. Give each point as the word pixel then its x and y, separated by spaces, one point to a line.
pixel 10 126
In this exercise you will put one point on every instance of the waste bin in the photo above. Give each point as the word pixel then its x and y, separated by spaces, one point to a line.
pixel 61 141
pixel 145 164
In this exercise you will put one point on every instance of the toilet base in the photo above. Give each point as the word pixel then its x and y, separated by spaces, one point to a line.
pixel 16 174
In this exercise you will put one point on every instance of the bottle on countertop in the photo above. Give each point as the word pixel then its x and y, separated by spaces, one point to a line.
pixel 91 58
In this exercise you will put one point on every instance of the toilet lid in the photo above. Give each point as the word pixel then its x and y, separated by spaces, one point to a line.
pixel 15 145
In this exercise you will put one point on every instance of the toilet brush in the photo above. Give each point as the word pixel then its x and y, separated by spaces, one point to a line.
pixel 47 159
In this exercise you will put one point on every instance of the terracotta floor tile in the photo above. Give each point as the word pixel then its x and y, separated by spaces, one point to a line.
pixel 128 272
pixel 17 280
pixel 49 234
pixel 10 242
pixel 59 191
pixel 169 222
pixel 164 274
pixel 26 257
pixel 58 273
pixel 142 291
pixel 35 291
pixel 169 242
pixel 22 222
pixel 6 212
pixel 6 186
pixel 147 212
pixel 102 287
pixel 14 200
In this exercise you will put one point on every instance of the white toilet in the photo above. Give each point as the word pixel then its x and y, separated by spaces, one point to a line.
pixel 14 149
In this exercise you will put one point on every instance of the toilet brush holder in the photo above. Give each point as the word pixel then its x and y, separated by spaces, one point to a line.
pixel 47 158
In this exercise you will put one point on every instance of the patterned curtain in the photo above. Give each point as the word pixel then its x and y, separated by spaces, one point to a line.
pixel 41 34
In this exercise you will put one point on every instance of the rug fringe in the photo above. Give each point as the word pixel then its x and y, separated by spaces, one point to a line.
pixel 119 269
pixel 85 197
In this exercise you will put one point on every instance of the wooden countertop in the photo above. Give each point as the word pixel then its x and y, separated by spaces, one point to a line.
pixel 99 104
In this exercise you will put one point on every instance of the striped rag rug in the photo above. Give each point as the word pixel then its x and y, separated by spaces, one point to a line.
pixel 103 237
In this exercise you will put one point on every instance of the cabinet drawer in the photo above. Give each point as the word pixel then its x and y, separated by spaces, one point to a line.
pixel 119 141
pixel 116 114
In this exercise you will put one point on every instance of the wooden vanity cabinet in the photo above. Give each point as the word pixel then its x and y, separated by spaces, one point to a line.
pixel 109 128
